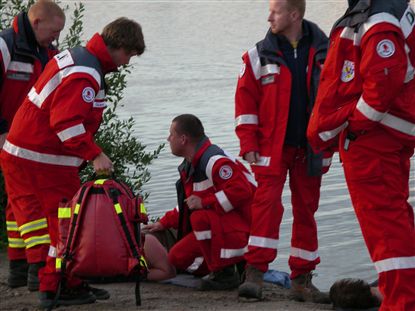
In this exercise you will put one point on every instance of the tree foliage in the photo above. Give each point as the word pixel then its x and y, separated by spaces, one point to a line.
pixel 115 136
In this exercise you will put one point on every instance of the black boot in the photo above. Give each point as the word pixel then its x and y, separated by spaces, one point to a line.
pixel 99 293
pixel 17 273
pixel 251 288
pixel 225 279
pixel 33 276
pixel 67 297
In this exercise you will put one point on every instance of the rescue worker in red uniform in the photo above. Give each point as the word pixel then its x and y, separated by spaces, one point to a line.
pixel 213 214
pixel 25 48
pixel 274 98
pixel 53 134
pixel 367 96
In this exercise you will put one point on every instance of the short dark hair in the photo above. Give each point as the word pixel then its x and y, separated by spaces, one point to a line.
pixel 352 293
pixel 190 125
pixel 124 33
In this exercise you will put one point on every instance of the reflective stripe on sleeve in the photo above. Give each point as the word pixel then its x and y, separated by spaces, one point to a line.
pixel 224 201
pixel 386 119
pixel 260 241
pixel 71 132
pixel 211 164
pixel 246 119
pixel 41 157
pixel 327 135
pixel 304 254
pixel 203 185
pixel 399 124
pixel 203 235
pixel 396 263
pixel 368 111
pixel 56 80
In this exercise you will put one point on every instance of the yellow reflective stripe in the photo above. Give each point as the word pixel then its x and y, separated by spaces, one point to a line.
pixel 143 209
pixel 99 181
pixel 143 262
pixel 33 226
pixel 36 240
pixel 16 243
pixel 118 208
pixel 77 206
pixel 64 212
pixel 12 226
pixel 58 263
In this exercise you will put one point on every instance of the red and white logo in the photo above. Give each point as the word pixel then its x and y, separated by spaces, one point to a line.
pixel 88 94
pixel 225 172
pixel 385 48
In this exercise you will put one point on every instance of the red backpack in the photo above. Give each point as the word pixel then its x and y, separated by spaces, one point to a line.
pixel 99 232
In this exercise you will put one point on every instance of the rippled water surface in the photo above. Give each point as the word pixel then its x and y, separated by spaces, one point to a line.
pixel 191 66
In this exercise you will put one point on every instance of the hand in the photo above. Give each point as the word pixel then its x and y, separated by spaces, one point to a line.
pixel 155 226
pixel 102 165
pixel 252 157
pixel 194 202
pixel 2 139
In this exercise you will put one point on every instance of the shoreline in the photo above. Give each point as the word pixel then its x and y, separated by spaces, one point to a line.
pixel 157 296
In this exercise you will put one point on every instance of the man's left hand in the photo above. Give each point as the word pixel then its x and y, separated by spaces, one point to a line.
pixel 194 202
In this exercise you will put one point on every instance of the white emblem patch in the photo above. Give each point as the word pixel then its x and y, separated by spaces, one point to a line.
pixel 347 71
pixel 88 94
pixel 225 172
pixel 242 71
pixel 385 48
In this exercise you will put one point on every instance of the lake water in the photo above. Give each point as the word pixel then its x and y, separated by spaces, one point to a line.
pixel 191 66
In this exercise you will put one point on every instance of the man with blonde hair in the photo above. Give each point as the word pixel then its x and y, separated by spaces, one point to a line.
pixel 275 94
pixel 25 50
pixel 53 134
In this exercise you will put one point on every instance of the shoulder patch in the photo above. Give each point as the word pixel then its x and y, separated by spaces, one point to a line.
pixel 88 94
pixel 64 59
pixel 385 48
pixel 347 71
pixel 225 172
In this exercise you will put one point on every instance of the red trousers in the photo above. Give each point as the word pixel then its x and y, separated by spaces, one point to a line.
pixel 377 167
pixel 34 191
pixel 217 241
pixel 267 211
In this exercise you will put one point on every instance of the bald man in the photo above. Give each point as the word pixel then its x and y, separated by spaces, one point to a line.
pixel 25 48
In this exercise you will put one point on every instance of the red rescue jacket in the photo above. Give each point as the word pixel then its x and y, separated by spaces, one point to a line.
pixel 368 78
pixel 262 101
pixel 58 119
pixel 223 184
pixel 20 66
